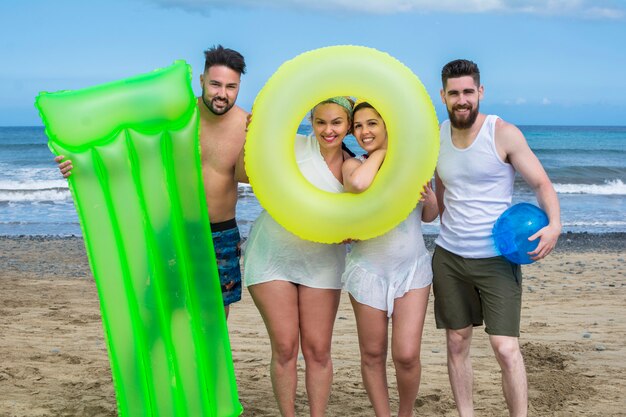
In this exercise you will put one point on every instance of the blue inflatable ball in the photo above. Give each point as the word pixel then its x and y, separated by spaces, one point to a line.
pixel 514 227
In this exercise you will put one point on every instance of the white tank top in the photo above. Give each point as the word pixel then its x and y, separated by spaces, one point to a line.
pixel 479 187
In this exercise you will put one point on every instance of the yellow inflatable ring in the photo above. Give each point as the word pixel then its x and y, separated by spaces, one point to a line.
pixel 298 85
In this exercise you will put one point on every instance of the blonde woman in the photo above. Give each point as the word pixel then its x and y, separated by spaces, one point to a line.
pixel 296 284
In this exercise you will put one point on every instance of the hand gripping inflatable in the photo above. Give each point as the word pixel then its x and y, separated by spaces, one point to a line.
pixel 513 228
pixel 299 84
pixel 139 195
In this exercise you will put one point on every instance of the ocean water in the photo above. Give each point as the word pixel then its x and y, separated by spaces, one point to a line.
pixel 587 166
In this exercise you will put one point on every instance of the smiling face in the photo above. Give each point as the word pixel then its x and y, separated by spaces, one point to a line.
pixel 369 129
pixel 220 87
pixel 462 99
pixel 330 125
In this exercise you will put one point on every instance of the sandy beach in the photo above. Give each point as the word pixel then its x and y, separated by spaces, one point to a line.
pixel 53 360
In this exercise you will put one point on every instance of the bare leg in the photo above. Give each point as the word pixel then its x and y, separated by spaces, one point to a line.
pixel 514 382
pixel 229 286
pixel 277 302
pixel 460 369
pixel 406 341
pixel 318 309
pixel 372 326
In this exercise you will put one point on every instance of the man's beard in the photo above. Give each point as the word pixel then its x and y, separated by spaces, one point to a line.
pixel 212 109
pixel 463 123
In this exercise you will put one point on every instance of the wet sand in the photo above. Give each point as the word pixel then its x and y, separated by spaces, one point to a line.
pixel 53 360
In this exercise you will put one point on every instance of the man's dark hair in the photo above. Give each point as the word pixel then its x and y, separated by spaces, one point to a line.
pixel 460 68
pixel 218 55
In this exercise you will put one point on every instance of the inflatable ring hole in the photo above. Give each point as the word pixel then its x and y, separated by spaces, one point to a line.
pixel 326 125
pixel 306 127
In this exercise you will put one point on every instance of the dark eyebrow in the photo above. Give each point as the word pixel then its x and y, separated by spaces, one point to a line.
pixel 367 121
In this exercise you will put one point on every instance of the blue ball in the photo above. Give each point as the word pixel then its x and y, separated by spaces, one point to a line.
pixel 514 227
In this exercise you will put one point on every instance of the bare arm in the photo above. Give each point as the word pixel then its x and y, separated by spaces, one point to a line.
pixel 358 176
pixel 511 140
pixel 430 208
pixel 439 190
pixel 240 169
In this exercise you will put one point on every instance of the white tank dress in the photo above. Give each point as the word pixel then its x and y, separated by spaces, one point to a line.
pixel 273 253
pixel 384 268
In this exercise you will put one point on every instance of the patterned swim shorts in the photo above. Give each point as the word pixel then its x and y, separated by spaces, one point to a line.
pixel 226 241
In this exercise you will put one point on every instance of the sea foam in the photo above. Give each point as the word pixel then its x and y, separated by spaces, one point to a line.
pixel 610 187
pixel 34 190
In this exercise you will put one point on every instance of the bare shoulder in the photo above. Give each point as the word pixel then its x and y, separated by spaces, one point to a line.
pixel 508 136
pixel 239 112
pixel 505 128
pixel 239 125
pixel 229 126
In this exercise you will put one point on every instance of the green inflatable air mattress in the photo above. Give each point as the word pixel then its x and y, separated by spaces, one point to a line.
pixel 139 195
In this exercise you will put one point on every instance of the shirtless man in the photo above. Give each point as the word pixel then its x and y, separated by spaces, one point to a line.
pixel 222 135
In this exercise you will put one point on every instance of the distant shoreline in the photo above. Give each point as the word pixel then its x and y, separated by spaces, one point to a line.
pixel 568 242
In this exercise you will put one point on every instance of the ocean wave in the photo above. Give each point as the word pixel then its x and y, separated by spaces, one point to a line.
pixel 21 174
pixel 593 174
pixel 35 195
pixel 610 187
pixel 244 191
pixel 32 185
pixel 578 151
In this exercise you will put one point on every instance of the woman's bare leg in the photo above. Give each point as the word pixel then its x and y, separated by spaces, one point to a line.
pixel 277 302
pixel 406 340
pixel 318 309
pixel 372 330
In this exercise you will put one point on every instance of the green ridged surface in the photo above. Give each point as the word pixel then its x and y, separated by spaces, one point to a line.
pixel 140 199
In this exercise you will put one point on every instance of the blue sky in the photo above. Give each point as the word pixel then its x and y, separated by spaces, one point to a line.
pixel 558 62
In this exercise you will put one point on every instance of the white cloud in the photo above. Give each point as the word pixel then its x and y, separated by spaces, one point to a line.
pixel 606 13
pixel 520 101
pixel 516 102
pixel 594 9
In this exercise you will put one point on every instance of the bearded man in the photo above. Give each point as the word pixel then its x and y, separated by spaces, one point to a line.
pixel 479 156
